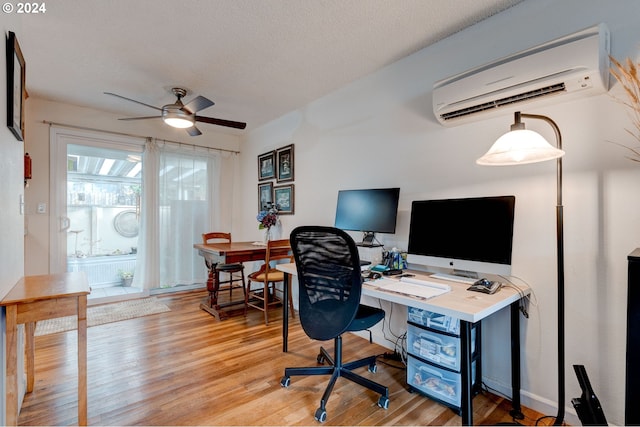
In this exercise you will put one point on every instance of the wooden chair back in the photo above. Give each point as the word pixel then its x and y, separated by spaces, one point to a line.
pixel 216 235
pixel 278 250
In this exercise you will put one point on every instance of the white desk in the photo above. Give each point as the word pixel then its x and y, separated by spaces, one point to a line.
pixel 469 307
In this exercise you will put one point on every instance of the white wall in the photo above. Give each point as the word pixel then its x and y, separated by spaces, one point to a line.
pixel 11 220
pixel 380 131
pixel 11 176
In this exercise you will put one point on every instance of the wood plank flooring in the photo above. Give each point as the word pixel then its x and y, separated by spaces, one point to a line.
pixel 186 368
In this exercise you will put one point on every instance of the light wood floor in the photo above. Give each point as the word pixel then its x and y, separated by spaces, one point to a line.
pixel 185 368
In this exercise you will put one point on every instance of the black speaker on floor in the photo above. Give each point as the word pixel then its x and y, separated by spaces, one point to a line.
pixel 632 374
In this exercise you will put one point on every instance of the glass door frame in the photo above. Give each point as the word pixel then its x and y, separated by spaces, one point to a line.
pixel 59 138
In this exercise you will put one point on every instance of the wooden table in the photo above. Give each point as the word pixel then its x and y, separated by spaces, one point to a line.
pixel 226 253
pixel 43 297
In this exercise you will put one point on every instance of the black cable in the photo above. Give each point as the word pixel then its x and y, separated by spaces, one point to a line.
pixel 524 298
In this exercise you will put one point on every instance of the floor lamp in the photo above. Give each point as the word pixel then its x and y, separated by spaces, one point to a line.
pixel 521 146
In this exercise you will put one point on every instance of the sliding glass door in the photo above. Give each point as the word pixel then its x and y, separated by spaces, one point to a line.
pixel 103 207
pixel 124 206
pixel 95 192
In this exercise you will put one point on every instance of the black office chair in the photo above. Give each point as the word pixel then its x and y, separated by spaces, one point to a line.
pixel 330 284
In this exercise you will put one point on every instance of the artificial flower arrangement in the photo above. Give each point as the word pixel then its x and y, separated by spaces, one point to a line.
pixel 268 218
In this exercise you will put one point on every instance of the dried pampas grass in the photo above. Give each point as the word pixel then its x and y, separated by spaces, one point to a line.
pixel 627 75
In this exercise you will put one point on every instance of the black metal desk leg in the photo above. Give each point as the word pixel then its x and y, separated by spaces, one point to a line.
pixel 285 313
pixel 516 412
pixel 466 394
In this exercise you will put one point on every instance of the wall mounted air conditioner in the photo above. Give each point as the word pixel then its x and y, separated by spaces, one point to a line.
pixel 557 71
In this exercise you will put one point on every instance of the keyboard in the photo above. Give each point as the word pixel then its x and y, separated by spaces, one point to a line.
pixel 411 287
pixel 425 283
pixel 453 278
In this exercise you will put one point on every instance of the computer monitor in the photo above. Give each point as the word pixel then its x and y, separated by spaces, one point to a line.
pixel 471 236
pixel 369 211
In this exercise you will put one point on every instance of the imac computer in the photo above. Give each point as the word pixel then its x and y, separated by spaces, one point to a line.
pixel 470 236
pixel 369 211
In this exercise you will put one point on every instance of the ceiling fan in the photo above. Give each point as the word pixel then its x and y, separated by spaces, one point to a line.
pixel 181 115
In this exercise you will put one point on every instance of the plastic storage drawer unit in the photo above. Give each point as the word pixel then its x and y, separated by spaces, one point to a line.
pixel 438 383
pixel 440 349
pixel 433 320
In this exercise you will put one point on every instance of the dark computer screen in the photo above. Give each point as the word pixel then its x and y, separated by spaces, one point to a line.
pixel 470 229
pixel 371 210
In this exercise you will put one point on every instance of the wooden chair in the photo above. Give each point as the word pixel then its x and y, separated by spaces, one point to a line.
pixel 267 294
pixel 214 282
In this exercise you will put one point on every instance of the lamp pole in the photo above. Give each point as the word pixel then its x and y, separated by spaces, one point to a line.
pixel 560 263
pixel 560 266
pixel 511 150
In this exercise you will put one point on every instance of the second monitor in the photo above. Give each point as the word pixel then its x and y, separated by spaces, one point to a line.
pixel 369 211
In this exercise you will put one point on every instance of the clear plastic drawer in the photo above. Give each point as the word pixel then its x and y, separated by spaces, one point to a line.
pixel 434 320
pixel 435 382
pixel 438 348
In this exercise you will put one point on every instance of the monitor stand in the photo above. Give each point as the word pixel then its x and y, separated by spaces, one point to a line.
pixel 369 240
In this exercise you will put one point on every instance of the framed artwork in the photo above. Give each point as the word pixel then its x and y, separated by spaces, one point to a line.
pixel 283 197
pixel 284 163
pixel 266 166
pixel 265 195
pixel 15 87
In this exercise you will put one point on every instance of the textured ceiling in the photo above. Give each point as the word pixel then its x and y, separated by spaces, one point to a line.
pixel 257 59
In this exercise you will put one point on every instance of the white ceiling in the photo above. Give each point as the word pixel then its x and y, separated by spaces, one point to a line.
pixel 257 59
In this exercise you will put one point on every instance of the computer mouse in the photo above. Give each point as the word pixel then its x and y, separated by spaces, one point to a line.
pixel 374 275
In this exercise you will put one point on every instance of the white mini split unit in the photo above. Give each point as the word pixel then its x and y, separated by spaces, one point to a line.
pixel 557 71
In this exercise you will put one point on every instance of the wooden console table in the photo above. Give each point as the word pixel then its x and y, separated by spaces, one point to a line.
pixel 43 297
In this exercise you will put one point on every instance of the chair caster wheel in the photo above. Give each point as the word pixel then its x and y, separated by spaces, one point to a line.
pixel 373 368
pixel 321 415
pixel 320 359
pixel 285 381
pixel 383 402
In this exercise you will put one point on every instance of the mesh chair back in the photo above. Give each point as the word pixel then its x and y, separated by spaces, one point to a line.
pixel 329 280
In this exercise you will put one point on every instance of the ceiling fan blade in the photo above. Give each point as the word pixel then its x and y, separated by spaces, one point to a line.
pixel 193 131
pixel 132 100
pixel 140 118
pixel 221 122
pixel 198 103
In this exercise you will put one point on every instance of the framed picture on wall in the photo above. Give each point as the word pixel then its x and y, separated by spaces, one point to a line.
pixel 266 166
pixel 284 163
pixel 265 195
pixel 283 197
pixel 15 87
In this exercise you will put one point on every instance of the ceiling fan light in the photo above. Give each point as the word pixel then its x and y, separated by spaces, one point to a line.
pixel 177 118
pixel 178 122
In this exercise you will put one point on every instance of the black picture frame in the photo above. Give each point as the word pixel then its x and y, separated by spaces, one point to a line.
pixel 15 87
pixel 284 163
pixel 265 195
pixel 283 196
pixel 266 166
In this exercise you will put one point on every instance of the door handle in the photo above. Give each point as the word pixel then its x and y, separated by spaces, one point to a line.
pixel 65 223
